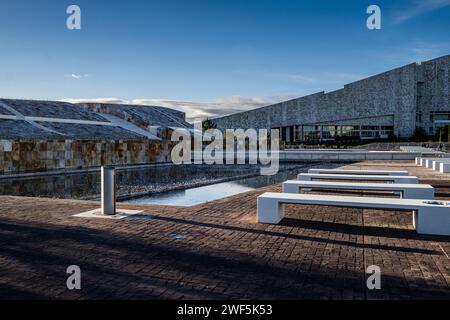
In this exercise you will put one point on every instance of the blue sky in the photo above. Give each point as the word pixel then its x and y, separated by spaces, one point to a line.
pixel 208 57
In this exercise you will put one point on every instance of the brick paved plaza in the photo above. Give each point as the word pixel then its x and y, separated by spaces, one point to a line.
pixel 218 251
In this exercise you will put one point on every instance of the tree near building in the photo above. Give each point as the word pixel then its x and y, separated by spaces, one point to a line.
pixel 208 124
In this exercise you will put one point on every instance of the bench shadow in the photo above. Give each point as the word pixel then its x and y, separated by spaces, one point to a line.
pixel 107 261
pixel 442 194
pixel 331 227
pixel 104 278
pixel 386 232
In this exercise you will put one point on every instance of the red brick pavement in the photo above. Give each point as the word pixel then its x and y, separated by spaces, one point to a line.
pixel 216 251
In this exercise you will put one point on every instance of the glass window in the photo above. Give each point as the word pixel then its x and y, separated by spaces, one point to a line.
pixel 311 132
pixel 370 134
pixel 369 128
pixel 309 128
pixel 316 132
pixel 441 116
pixel 386 130
pixel 349 131
pixel 328 131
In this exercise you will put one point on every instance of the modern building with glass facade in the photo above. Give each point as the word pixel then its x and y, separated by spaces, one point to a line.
pixel 392 103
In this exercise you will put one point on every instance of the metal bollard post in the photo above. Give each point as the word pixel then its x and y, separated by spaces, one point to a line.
pixel 108 176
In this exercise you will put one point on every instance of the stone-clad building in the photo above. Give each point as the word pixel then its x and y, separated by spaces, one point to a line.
pixel 391 103
pixel 54 135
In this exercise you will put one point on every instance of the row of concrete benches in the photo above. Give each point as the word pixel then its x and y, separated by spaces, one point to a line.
pixel 441 165
pixel 429 216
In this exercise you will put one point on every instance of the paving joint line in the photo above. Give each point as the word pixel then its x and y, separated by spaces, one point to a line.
pixel 442 249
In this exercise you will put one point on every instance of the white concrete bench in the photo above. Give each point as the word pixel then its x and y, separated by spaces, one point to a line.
pixel 421 161
pixel 431 162
pixel 428 162
pixel 407 191
pixel 444 167
pixel 394 179
pixel 429 216
pixel 437 165
pixel 364 172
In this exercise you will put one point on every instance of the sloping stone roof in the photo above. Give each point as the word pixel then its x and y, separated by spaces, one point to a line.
pixel 143 116
pixel 129 126
pixel 51 109
pixel 60 120
pixel 20 129
pixel 5 111
pixel 91 132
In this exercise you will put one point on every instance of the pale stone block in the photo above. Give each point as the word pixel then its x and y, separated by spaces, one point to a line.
pixel 6 145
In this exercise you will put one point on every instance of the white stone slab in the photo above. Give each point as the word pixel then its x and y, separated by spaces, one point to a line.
pixel 408 191
pixel 436 164
pixel 423 161
pixel 444 167
pixel 394 179
pixel 429 163
pixel 97 214
pixel 7 145
pixel 429 216
pixel 363 172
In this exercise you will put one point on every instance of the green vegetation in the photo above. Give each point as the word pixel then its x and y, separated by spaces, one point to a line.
pixel 208 124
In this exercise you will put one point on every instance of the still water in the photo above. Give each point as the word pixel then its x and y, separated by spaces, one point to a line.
pixel 199 195
pixel 194 196
pixel 156 184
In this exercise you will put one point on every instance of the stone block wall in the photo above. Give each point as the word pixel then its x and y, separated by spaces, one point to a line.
pixel 17 156
pixel 433 90
pixel 391 98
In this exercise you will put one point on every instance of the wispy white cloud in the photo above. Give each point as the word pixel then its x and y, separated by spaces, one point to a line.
pixel 76 76
pixel 200 110
pixel 196 111
pixel 419 7
pixel 341 78
pixel 416 51
pixel 297 78
pixel 422 51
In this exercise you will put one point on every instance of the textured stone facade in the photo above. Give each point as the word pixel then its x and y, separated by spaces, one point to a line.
pixel 433 84
pixel 143 116
pixel 51 135
pixel 390 99
pixel 43 155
